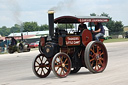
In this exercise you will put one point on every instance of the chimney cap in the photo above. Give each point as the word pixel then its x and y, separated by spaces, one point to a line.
pixel 50 11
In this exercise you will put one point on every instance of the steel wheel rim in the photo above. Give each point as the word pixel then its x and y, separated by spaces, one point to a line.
pixel 98 57
pixel 41 66
pixel 61 65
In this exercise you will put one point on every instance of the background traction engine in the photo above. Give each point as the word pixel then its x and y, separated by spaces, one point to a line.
pixel 64 54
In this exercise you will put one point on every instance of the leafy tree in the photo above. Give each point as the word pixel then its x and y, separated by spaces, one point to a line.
pixel 15 28
pixel 118 26
pixel 106 15
pixel 30 26
pixel 92 14
pixel 44 27
pixel 4 31
pixel 111 25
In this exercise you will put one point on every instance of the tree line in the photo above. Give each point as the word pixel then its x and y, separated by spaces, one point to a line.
pixel 113 26
pixel 25 27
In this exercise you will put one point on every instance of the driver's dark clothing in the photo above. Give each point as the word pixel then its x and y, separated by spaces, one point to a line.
pixel 99 34
pixel 100 26
pixel 82 27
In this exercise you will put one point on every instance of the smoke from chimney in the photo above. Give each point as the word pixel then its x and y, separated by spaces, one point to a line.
pixel 63 5
pixel 16 10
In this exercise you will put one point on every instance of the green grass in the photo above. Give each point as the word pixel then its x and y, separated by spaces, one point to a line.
pixel 115 40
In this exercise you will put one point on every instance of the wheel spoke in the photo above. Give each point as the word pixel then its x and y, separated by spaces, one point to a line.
pixel 47 65
pixel 57 65
pixel 37 62
pixel 60 60
pixel 66 64
pixel 42 71
pixel 40 59
pixel 38 69
pixel 96 65
pixel 61 71
pixel 101 58
pixel 66 68
pixel 93 51
pixel 65 60
pixel 100 62
pixel 98 49
pixel 56 62
pixel 92 59
pixel 36 66
pixel 101 54
pixel 45 61
pixel 46 68
pixel 92 55
pixel 57 69
pixel 92 64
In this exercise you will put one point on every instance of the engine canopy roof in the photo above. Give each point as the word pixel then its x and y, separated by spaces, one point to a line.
pixel 80 19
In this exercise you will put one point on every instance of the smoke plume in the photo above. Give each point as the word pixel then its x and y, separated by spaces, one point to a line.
pixel 15 9
pixel 63 5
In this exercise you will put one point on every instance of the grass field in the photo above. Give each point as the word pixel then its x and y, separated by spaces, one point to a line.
pixel 115 40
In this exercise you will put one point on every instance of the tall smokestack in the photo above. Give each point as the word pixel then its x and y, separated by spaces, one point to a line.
pixel 51 22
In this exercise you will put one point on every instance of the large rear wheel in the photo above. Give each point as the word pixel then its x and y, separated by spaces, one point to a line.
pixel 96 57
pixel 61 65
pixel 41 66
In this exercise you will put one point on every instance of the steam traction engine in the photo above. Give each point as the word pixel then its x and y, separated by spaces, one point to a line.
pixel 65 53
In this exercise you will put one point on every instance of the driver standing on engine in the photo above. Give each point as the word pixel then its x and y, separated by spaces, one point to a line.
pixel 81 27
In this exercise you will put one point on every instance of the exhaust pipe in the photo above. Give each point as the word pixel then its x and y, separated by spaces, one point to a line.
pixel 51 23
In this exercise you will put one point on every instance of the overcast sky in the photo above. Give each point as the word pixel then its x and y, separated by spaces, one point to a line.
pixel 17 11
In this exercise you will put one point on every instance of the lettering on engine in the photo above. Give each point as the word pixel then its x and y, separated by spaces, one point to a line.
pixel 72 40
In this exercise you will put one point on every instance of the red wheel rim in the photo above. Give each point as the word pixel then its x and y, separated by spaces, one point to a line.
pixel 41 66
pixel 98 57
pixel 62 65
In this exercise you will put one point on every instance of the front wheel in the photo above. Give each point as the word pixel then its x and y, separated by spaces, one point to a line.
pixel 41 66
pixel 61 65
pixel 96 57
